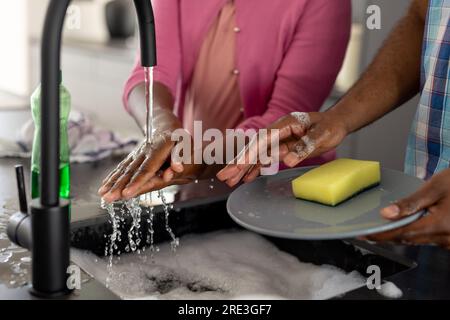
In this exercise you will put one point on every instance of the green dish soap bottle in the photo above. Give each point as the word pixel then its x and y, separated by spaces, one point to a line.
pixel 64 164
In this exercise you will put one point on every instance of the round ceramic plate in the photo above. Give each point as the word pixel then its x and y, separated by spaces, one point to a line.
pixel 268 206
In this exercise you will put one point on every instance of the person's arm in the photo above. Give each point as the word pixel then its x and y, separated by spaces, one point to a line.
pixel 392 78
pixel 305 76
pixel 163 102
pixel 311 63
pixel 141 167
pixel 166 72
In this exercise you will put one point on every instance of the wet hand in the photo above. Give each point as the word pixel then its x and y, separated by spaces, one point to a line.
pixel 301 136
pixel 434 227
pixel 137 169
pixel 179 172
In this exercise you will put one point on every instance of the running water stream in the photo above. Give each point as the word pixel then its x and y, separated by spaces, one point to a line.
pixel 133 207
pixel 151 231
pixel 148 72
pixel 175 241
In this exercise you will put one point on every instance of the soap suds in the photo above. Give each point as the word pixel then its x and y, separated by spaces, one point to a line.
pixel 219 265
pixel 303 118
pixel 390 290
pixel 304 147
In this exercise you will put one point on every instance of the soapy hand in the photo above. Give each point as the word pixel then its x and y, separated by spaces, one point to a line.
pixel 301 136
pixel 140 166
pixel 434 227
pixel 146 169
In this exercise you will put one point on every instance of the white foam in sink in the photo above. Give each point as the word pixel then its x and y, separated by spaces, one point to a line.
pixel 219 265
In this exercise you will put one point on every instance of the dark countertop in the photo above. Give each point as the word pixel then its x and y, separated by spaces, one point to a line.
pixel 430 279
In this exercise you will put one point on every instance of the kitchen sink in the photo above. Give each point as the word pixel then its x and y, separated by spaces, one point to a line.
pixel 206 217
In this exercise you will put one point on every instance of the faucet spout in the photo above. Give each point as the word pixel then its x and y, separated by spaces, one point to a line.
pixel 50 67
pixel 146 23
pixel 49 222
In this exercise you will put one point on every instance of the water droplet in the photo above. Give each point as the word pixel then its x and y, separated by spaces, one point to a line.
pixel 25 259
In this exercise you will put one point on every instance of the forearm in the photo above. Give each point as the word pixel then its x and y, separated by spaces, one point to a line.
pixel 391 79
pixel 163 117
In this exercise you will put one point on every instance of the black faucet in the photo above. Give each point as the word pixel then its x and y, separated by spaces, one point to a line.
pixel 46 230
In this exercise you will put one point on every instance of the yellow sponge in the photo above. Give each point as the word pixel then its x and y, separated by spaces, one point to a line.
pixel 337 181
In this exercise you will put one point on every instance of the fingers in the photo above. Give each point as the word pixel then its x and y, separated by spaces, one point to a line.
pixel 294 125
pixel 421 227
pixel 264 142
pixel 177 171
pixel 174 169
pixel 249 154
pixel 168 174
pixel 155 183
pixel 148 169
pixel 115 192
pixel 299 151
pixel 164 179
pixel 252 174
pixel 264 149
pixel 228 172
pixel 158 183
pixel 237 168
pixel 425 197
pixel 302 123
pixel 247 164
pixel 109 181
pixel 135 170
pixel 234 180
pixel 232 174
pixel 430 226
pixel 433 228
pixel 177 167
pixel 249 169
pixel 241 168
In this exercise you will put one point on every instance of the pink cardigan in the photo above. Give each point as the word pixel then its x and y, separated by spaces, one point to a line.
pixel 288 52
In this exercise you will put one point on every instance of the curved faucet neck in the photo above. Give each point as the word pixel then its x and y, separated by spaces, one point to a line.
pixel 50 225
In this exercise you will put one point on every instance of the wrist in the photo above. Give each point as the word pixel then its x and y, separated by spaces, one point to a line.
pixel 340 118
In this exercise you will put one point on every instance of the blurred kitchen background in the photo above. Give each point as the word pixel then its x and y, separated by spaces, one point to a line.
pixel 96 65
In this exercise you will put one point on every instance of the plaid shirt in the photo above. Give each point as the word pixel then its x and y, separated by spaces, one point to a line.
pixel 428 150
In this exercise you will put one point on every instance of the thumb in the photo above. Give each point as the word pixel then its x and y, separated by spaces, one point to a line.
pixel 418 201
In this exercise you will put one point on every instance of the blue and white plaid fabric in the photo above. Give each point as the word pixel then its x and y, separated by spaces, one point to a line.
pixel 428 150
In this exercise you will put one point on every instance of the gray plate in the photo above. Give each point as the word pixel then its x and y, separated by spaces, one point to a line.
pixel 268 206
